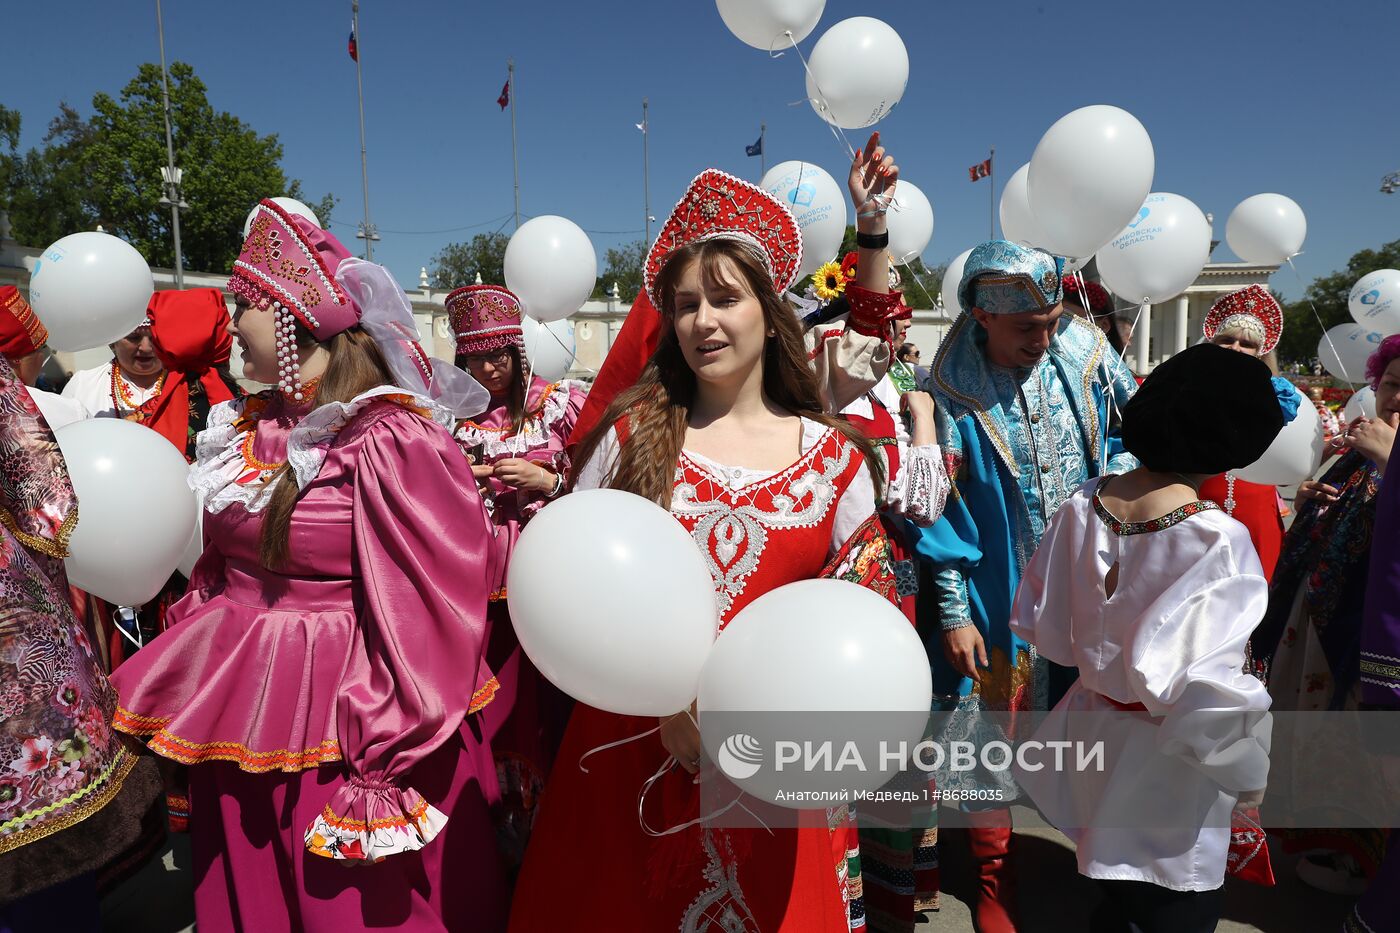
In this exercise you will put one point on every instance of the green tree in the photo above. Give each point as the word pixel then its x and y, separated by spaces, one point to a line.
pixel 107 170
pixel 458 264
pixel 624 268
pixel 919 284
pixel 1329 294
pixel 48 195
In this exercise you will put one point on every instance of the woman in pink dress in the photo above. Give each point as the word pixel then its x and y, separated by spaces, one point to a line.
pixel 725 427
pixel 517 451
pixel 313 677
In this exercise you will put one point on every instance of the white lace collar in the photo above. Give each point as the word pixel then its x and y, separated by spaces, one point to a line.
pixel 222 476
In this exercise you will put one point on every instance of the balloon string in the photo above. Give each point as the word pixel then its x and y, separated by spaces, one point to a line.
pixel 136 623
pixel 573 354
pixel 1325 334
pixel 617 744
pixel 661 772
pixel 825 108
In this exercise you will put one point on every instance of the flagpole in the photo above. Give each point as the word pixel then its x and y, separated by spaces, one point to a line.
pixel 992 195
pixel 367 231
pixel 171 173
pixel 646 171
pixel 762 150
pixel 514 150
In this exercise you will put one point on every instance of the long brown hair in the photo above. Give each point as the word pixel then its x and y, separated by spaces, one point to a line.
pixel 355 366
pixel 658 405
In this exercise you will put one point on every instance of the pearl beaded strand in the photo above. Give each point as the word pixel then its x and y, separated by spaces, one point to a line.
pixel 288 358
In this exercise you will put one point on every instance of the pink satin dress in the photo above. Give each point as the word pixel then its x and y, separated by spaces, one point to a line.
pixel 324 707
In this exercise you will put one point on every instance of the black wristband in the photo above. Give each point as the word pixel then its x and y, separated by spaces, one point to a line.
pixel 872 240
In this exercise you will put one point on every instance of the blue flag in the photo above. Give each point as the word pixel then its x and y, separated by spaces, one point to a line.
pixel 755 149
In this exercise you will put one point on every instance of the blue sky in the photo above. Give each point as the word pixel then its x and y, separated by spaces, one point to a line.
pixel 1239 98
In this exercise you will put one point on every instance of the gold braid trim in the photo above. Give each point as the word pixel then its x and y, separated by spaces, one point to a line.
pixel 483 697
pixel 58 547
pixel 99 793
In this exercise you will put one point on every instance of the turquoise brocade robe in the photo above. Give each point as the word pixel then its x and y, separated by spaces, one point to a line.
pixel 1017 444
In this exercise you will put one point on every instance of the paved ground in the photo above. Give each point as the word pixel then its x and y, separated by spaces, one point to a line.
pixel 1052 897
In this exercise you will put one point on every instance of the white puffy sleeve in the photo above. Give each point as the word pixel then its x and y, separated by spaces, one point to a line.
pixel 594 473
pixel 1188 669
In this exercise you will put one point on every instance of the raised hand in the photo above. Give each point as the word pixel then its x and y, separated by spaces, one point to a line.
pixel 872 182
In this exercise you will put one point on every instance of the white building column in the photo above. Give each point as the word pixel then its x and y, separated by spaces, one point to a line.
pixel 1182 337
pixel 1142 341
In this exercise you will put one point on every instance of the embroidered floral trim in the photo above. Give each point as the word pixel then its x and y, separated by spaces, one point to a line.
pixel 731 526
pixel 1123 529
pixel 385 821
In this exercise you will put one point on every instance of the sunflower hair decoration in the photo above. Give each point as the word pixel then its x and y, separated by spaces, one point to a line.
pixel 829 281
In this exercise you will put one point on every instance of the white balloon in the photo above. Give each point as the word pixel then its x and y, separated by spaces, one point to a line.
pixel 90 289
pixel 611 600
pixel 952 276
pixel 1266 229
pixel 1017 222
pixel 137 511
pixel 1374 301
pixel 551 266
pixel 763 23
pixel 1344 350
pixel 857 72
pixel 195 549
pixel 548 347
pixel 910 222
pixel 290 205
pixel 783 652
pixel 1295 453
pixel 1160 252
pixel 1089 175
pixel 1362 404
pixel 818 204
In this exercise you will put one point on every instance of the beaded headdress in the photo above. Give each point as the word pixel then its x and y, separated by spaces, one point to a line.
pixel 719 206
pixel 1251 307
pixel 484 318
pixel 1010 279
pixel 288 263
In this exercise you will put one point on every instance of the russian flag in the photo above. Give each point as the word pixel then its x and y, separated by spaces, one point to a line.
pixel 354 46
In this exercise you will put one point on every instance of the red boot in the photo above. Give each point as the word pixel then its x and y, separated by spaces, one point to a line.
pixel 996 894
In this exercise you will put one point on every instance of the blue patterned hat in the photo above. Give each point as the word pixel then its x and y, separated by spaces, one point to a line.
pixel 1010 279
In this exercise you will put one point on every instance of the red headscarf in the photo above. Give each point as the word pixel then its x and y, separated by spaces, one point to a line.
pixel 633 347
pixel 189 330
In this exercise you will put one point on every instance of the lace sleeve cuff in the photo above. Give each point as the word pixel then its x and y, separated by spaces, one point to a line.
pixel 370 820
pixel 951 587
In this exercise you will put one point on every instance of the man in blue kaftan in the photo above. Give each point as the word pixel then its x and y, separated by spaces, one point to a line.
pixel 1027 403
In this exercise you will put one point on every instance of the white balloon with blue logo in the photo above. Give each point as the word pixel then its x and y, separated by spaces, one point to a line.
pixel 1160 252
pixel 818 204
pixel 1374 301
pixel 1344 350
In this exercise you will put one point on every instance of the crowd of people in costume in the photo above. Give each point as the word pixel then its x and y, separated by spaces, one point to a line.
pixel 338 685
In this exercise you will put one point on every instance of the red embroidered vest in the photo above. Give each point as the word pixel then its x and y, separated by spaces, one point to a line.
pixel 761 535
